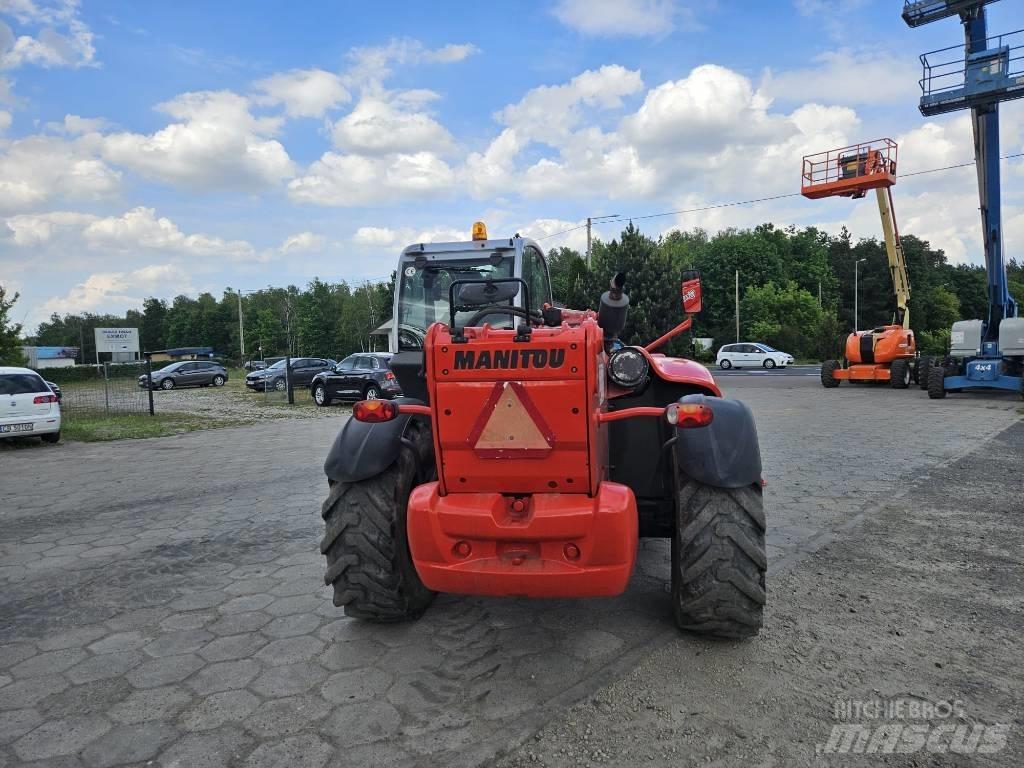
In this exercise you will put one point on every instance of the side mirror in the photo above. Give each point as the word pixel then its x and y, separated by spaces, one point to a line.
pixel 691 292
pixel 478 294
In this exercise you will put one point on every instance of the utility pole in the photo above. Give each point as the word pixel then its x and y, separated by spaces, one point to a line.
pixel 819 294
pixel 241 326
pixel 590 239
pixel 589 221
pixel 737 305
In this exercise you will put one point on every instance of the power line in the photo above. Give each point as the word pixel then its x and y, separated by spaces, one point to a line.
pixel 760 199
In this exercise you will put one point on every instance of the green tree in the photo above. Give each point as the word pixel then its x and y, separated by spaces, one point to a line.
pixel 10 332
pixel 788 317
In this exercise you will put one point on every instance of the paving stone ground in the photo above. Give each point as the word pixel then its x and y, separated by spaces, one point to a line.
pixel 161 601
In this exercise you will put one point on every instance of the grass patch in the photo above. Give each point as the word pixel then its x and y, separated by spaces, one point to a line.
pixel 89 427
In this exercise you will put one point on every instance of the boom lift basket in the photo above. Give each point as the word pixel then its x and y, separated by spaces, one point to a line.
pixel 849 171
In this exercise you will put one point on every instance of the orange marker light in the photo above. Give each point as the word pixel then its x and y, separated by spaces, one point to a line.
pixel 374 410
pixel 479 230
pixel 689 415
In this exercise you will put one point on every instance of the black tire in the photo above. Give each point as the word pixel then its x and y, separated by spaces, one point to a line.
pixel 828 368
pixel 218 380
pixel 768 363
pixel 167 384
pixel 725 365
pixel 718 560
pixel 899 374
pixel 366 542
pixel 51 437
pixel 924 366
pixel 320 395
pixel 937 382
pixel 372 392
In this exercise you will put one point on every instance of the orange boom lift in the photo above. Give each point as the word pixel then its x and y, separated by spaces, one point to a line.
pixel 887 353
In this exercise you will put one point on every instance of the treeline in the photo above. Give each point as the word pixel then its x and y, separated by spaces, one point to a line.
pixel 324 319
pixel 796 286
pixel 796 293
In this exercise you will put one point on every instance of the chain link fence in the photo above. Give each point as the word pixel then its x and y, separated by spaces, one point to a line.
pixel 110 389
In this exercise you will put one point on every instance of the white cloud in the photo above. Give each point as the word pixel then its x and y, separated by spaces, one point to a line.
pixel 450 53
pixel 141 228
pixel 38 169
pixel 136 230
pixel 385 237
pixel 371 65
pixel 549 113
pixel 303 242
pixel 618 18
pixel 868 77
pixel 558 233
pixel 304 92
pixel 377 127
pixel 5 120
pixel 63 40
pixel 351 180
pixel 217 143
pixel 120 291
pixel 75 125
pixel 37 229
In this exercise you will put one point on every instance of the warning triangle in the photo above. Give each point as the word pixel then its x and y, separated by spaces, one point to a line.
pixel 510 425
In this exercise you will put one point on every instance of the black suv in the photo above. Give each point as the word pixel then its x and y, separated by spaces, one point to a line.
pixel 366 376
pixel 302 372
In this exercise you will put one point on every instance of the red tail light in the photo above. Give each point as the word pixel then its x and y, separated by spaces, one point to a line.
pixel 374 410
pixel 689 415
pixel 389 376
pixel 43 399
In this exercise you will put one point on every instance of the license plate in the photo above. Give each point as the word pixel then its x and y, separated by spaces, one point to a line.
pixel 17 427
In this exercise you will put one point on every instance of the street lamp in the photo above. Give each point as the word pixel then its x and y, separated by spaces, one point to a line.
pixel 856 295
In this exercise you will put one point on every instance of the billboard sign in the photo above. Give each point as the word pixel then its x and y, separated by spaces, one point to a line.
pixel 117 340
pixel 55 353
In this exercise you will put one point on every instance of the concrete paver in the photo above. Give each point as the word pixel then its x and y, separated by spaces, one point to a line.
pixel 171 591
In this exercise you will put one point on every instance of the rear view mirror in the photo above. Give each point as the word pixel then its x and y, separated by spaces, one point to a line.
pixel 478 294
pixel 691 292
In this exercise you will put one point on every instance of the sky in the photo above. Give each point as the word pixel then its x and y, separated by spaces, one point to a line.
pixel 155 149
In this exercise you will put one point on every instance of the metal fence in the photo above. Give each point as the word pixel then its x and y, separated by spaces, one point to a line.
pixel 108 389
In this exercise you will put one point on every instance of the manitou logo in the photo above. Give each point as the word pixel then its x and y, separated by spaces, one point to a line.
pixel 689 296
pixel 470 360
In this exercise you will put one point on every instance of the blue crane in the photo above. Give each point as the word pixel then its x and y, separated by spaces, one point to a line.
pixel 989 353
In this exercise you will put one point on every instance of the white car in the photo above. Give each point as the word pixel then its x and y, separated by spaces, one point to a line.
pixel 28 407
pixel 752 355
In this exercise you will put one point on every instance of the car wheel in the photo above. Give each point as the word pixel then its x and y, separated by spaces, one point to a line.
pixel 218 380
pixel 725 365
pixel 280 385
pixel 372 393
pixel 51 437
pixel 167 384
pixel 769 363
pixel 320 395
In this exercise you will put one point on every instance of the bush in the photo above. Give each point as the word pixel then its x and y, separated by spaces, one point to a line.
pixel 92 372
pixel 933 342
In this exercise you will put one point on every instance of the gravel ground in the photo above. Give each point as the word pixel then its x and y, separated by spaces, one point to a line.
pixel 921 603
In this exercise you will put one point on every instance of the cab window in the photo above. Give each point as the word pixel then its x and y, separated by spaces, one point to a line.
pixel 535 274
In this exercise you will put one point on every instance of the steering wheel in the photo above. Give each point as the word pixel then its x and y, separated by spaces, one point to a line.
pixel 495 309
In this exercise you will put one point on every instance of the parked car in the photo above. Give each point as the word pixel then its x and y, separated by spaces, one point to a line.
pixel 302 372
pixel 255 365
pixel 190 373
pixel 752 355
pixel 365 376
pixel 56 390
pixel 27 405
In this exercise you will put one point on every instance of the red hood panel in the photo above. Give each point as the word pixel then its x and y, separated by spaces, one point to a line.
pixel 684 372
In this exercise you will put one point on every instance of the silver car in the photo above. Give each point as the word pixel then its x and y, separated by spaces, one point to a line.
pixel 192 373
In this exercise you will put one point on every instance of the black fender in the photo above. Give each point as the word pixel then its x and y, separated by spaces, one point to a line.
pixel 362 450
pixel 724 454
